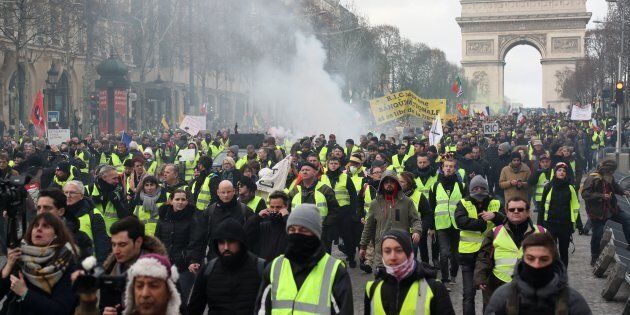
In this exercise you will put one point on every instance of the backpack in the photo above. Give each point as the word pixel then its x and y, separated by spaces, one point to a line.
pixel 259 262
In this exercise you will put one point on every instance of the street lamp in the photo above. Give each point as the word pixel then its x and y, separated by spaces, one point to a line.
pixel 51 85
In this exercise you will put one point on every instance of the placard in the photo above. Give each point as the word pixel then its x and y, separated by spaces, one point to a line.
pixel 193 124
pixel 187 155
pixel 58 136
pixel 491 128
pixel 582 113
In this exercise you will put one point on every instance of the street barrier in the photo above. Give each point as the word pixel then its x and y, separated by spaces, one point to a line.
pixel 613 262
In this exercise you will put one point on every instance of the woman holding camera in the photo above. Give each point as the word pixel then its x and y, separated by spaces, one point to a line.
pixel 174 227
pixel 36 278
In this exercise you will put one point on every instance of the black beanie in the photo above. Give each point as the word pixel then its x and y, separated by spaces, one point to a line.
pixel 516 155
pixel 401 237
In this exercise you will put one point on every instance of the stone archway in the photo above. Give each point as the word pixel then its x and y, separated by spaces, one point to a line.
pixel 490 29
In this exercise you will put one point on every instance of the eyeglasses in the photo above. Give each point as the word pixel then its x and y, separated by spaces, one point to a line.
pixel 516 210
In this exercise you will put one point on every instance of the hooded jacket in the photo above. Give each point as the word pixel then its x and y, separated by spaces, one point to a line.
pixel 102 245
pixel 398 213
pixel 231 286
pixel 393 293
pixel 173 229
pixel 537 301
pixel 593 190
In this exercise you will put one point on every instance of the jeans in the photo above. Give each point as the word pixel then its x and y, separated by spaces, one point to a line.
pixel 621 217
pixel 449 248
pixel 424 246
pixel 467 262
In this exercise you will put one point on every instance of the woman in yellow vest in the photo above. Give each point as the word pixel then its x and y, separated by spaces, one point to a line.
pixel 404 286
pixel 147 202
pixel 561 207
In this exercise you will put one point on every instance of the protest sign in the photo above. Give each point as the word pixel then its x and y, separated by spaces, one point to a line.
pixel 396 105
pixel 57 136
pixel 581 112
pixel 193 124
pixel 187 155
pixel 490 129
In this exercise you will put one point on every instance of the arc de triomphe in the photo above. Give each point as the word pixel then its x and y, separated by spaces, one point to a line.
pixel 490 29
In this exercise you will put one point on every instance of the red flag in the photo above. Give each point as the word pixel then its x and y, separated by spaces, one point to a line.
pixel 37 114
pixel 461 110
pixel 204 109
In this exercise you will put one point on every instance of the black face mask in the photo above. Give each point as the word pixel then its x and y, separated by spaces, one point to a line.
pixel 301 247
pixel 537 278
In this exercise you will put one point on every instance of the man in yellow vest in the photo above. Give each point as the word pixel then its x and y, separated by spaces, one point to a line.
pixel 63 173
pixel 475 215
pixel 346 195
pixel 313 191
pixel 540 178
pixel 399 159
pixel 204 186
pixel 108 196
pixel 443 198
pixel 119 157
pixel 501 248
pixel 247 195
pixel 306 279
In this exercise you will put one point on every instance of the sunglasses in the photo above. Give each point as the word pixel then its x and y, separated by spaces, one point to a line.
pixel 516 210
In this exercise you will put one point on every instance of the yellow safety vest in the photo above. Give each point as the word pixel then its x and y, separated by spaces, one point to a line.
pixel 152 168
pixel 397 164
pixel 341 191
pixel 117 163
pixel 81 156
pixel 70 177
pixel 445 207
pixel 594 141
pixel 204 197
pixel 147 218
pixel 320 199
pixel 425 188
pixel 241 162
pixel 575 205
pixel 216 150
pixel 540 186
pixel 367 199
pixel 109 213
pixel 417 301
pixel 323 154
pixel 470 241
pixel 253 204
pixel 85 223
pixel 189 168
pixel 506 253
pixel 313 297
pixel 354 149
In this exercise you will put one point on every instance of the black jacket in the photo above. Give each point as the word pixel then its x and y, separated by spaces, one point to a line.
pixel 393 293
pixel 537 301
pixel 560 205
pixel 341 288
pixel 102 245
pixel 208 222
pixel 267 236
pixel 173 229
pixel 464 222
pixel 62 300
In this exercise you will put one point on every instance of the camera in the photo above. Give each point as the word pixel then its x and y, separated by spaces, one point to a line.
pixel 111 287
pixel 12 196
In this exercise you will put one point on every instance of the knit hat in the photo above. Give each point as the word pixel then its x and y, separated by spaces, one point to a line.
pixel 155 266
pixel 505 147
pixel 478 181
pixel 561 165
pixel 543 157
pixel 516 155
pixel 133 145
pixel 229 229
pixel 311 165
pixel 234 149
pixel 401 237
pixel 306 215
pixel 149 151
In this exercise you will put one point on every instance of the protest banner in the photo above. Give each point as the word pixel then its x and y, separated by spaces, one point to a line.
pixel 396 105
pixel 581 112
pixel 186 155
pixel 193 124
pixel 491 128
pixel 57 136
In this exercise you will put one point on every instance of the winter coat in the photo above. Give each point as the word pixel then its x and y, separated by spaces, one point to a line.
pixel 507 175
pixel 341 287
pixel 228 288
pixel 560 205
pixel 308 196
pixel 393 293
pixel 83 241
pixel 383 216
pixel 267 236
pixel 173 230
pixel 498 165
pixel 464 222
pixel 207 223
pixel 537 301
pixel 102 244
pixel 593 190
pixel 62 300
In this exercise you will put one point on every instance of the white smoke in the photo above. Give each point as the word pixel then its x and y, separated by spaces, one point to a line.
pixel 310 100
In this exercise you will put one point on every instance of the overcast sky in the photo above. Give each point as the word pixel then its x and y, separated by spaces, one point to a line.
pixel 433 22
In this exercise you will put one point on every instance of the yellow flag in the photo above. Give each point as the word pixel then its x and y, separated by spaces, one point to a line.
pixel 165 124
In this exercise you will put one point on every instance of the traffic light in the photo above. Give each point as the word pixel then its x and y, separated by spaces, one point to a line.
pixel 619 93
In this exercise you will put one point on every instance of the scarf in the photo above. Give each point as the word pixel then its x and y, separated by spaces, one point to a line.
pixel 44 266
pixel 403 270
pixel 149 202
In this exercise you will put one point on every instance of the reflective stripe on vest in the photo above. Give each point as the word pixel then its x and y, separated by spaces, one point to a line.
pixel 445 207
pixel 109 213
pixel 574 204
pixel 85 223
pixel 81 156
pixel 147 218
pixel 117 163
pixel 189 168
pixel 506 254
pixel 341 191
pixel 320 199
pixel 70 177
pixel 313 297
pixel 204 197
pixel 540 186
pixel 417 301
pixel 397 164
pixel 470 241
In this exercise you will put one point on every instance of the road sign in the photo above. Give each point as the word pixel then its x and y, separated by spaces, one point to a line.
pixel 489 129
pixel 53 116
pixel 133 97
